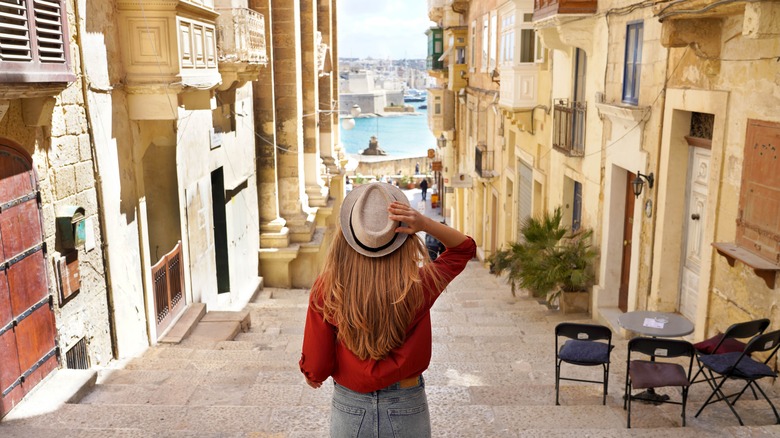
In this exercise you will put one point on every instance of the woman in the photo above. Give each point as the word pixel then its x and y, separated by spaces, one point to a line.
pixel 368 324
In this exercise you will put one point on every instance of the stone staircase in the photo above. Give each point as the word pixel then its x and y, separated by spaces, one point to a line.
pixel 492 375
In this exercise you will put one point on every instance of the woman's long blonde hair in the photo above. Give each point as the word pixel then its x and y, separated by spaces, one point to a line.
pixel 372 301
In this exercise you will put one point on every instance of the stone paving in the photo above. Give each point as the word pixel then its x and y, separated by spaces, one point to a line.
pixel 492 375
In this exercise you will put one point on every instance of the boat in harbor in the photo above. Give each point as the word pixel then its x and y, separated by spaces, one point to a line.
pixel 413 95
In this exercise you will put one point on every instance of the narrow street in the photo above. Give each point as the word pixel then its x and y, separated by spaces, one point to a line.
pixel 492 375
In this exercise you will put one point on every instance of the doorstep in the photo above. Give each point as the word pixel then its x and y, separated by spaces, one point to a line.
pixel 61 387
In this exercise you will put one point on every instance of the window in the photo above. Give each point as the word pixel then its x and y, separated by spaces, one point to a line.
pixel 34 41
pixel 759 199
pixel 508 38
pixel 473 58
pixel 527 39
pixel 540 51
pixel 576 211
pixel 493 42
pixel 460 55
pixel 485 41
pixel 633 63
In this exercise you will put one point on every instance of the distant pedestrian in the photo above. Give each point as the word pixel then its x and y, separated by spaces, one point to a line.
pixel 368 325
pixel 424 187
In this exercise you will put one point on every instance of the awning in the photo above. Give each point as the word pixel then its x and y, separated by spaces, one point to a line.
pixel 446 53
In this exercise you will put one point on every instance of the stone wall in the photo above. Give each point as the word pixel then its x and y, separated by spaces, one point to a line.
pixel 391 167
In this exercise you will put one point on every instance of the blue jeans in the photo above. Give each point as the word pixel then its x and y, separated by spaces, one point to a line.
pixel 391 412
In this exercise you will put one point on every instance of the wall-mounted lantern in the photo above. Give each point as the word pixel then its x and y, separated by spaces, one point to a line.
pixel 638 183
pixel 441 142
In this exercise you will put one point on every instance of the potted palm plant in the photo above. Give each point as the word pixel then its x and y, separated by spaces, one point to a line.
pixel 550 262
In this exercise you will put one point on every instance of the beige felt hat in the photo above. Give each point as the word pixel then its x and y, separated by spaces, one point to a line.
pixel 365 222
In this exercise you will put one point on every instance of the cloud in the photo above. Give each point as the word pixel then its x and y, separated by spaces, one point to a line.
pixel 383 28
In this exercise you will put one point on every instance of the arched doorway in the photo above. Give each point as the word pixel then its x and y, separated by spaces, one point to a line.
pixel 28 352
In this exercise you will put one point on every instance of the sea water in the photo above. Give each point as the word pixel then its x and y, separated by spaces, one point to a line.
pixel 399 135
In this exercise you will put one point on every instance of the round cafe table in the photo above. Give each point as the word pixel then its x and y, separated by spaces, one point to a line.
pixel 656 325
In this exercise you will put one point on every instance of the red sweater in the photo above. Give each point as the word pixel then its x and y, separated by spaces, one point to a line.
pixel 323 356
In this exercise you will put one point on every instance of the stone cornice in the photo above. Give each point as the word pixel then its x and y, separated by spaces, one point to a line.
pixel 155 6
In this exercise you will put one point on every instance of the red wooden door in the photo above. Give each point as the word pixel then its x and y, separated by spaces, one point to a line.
pixel 628 231
pixel 27 331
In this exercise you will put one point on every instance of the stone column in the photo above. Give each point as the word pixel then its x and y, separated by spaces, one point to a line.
pixel 288 96
pixel 328 120
pixel 273 232
pixel 334 56
pixel 310 42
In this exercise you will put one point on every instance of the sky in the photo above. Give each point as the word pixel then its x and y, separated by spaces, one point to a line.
pixel 393 29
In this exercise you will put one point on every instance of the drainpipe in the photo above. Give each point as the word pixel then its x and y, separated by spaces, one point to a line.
pixel 662 102
pixel 98 180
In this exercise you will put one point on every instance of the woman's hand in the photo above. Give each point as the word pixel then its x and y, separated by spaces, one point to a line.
pixel 413 219
pixel 314 385
pixel 416 221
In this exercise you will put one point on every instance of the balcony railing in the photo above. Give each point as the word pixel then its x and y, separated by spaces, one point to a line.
pixel 241 36
pixel 569 127
pixel 548 8
pixel 483 161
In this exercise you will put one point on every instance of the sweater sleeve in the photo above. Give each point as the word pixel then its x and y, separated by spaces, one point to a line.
pixel 318 356
pixel 448 265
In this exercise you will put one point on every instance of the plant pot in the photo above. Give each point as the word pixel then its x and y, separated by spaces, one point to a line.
pixel 575 302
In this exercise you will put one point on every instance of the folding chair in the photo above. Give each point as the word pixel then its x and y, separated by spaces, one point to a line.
pixel 654 373
pixel 740 366
pixel 728 342
pixel 582 348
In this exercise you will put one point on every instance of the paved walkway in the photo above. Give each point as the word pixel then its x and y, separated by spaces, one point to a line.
pixel 492 375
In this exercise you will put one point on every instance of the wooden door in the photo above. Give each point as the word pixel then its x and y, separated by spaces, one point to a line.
pixel 628 230
pixel 27 329
pixel 694 223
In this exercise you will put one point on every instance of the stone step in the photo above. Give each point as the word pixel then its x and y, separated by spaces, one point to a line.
pixel 61 387
pixel 186 323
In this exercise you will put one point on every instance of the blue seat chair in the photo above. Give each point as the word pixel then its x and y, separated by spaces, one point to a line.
pixel 583 347
pixel 741 366
pixel 728 342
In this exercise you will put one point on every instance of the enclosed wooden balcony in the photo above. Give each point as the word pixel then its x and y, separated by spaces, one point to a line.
pixel 549 8
pixel 240 35
pixel 168 48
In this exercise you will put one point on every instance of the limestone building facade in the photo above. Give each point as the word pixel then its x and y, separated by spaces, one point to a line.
pixel 652 124
pixel 156 154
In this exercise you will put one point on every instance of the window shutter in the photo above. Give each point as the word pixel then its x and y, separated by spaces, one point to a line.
pixel 34 42
pixel 14 31
pixel 758 228
pixel 49 31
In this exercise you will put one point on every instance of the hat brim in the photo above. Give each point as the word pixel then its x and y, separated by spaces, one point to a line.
pixel 346 211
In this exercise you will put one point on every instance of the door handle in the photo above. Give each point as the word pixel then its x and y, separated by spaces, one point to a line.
pixel 695 216
pixel 626 242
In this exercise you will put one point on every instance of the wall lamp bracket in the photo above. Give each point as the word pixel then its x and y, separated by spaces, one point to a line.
pixel 638 183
